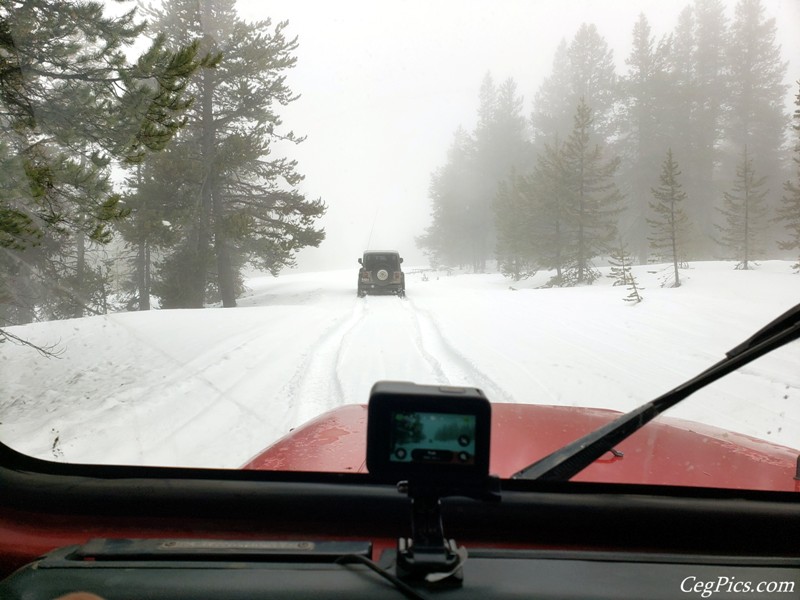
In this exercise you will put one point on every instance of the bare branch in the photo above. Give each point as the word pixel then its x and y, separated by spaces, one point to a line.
pixel 51 351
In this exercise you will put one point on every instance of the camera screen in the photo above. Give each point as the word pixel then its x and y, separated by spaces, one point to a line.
pixel 432 438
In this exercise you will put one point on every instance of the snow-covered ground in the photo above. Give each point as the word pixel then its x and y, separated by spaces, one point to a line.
pixel 214 387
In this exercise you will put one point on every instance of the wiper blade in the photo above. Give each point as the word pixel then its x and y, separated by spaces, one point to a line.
pixel 573 458
pixel 788 319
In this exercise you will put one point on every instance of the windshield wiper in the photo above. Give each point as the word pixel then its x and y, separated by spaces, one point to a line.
pixel 573 458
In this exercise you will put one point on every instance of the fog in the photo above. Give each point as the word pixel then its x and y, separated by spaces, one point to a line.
pixel 384 85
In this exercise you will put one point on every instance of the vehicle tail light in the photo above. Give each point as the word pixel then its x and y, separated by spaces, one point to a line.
pixel 364 274
pixel 396 278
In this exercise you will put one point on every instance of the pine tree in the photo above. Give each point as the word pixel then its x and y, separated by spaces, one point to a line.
pixel 513 218
pixel 679 95
pixel 694 100
pixel 478 209
pixel 447 240
pixel 633 291
pixel 789 211
pixel 593 78
pixel 547 191
pixel 73 105
pixel 621 262
pixel 500 146
pixel 643 123
pixel 756 117
pixel 744 211
pixel 551 115
pixel 156 200
pixel 669 227
pixel 464 190
pixel 246 208
pixel 709 94
pixel 593 201
pixel 584 69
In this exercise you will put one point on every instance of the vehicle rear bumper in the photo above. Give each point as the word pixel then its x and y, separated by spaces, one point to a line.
pixel 373 288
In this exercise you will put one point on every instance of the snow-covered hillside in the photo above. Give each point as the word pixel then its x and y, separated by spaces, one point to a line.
pixel 214 387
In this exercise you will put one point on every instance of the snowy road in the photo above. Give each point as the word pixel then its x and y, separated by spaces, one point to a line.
pixel 214 387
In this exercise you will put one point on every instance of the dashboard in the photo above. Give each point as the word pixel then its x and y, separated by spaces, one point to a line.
pixel 212 569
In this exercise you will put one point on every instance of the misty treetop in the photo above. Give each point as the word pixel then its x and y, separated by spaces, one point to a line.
pixel 702 93
pixel 582 70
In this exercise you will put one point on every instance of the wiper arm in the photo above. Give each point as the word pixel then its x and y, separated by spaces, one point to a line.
pixel 573 458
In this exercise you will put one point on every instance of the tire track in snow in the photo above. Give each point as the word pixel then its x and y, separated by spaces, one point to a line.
pixel 458 369
pixel 436 367
pixel 316 386
pixel 384 346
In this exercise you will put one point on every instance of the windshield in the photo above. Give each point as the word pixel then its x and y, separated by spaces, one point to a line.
pixel 593 203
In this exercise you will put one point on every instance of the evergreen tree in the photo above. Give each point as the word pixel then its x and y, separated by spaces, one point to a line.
pixel 693 102
pixel 744 211
pixel 642 123
pixel 514 239
pixel 669 227
pixel 582 69
pixel 633 291
pixel 245 204
pixel 789 211
pixel 679 95
pixel 621 272
pixel 447 240
pixel 710 95
pixel 756 117
pixel 71 105
pixel 463 192
pixel 620 262
pixel 547 191
pixel 593 201
pixel 156 200
pixel 500 146
pixel 478 209
pixel 551 114
pixel 593 78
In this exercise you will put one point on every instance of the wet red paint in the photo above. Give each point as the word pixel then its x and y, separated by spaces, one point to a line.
pixel 665 452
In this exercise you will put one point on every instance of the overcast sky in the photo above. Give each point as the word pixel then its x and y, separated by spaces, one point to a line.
pixel 384 85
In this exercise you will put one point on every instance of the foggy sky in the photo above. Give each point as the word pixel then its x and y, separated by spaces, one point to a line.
pixel 385 84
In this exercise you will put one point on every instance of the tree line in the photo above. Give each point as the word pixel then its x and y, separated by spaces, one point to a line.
pixel 683 156
pixel 166 158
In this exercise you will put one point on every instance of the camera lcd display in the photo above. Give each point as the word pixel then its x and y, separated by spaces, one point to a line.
pixel 432 438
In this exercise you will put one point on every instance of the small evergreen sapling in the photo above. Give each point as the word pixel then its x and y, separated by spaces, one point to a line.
pixel 669 225
pixel 620 265
pixel 620 261
pixel 744 210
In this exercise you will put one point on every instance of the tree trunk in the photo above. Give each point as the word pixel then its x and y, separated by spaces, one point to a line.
pixel 199 258
pixel 141 276
pixel 78 294
pixel 226 279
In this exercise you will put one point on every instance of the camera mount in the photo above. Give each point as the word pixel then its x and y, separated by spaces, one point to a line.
pixel 434 440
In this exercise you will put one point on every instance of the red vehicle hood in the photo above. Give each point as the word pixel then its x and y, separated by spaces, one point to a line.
pixel 666 452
